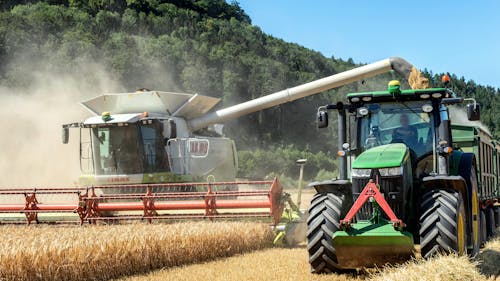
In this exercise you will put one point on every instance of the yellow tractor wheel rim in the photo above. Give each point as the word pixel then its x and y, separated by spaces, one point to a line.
pixel 475 214
pixel 461 235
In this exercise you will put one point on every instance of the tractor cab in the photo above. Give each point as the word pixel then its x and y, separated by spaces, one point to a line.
pixel 396 126
pixel 410 123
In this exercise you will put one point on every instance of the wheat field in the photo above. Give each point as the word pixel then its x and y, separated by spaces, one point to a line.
pixel 291 264
pixel 195 250
pixel 103 252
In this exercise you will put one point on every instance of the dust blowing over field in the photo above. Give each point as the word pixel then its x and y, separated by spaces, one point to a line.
pixel 32 153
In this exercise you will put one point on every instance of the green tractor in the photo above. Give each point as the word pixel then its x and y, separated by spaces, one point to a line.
pixel 407 176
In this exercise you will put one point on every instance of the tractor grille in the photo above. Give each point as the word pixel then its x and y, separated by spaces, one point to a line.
pixel 390 188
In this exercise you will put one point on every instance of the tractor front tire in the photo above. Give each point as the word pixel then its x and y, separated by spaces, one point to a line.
pixel 442 223
pixel 323 221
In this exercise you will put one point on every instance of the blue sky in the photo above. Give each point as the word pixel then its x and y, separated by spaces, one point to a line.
pixel 460 37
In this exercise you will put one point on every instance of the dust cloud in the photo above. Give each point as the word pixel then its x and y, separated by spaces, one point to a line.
pixel 31 149
pixel 459 117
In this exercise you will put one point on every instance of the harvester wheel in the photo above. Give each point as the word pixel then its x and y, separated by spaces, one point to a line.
pixel 323 221
pixel 442 223
pixel 490 221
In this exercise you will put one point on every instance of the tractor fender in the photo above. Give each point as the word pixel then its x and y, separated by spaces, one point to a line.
pixel 465 164
pixel 457 183
pixel 467 161
pixel 338 187
pixel 454 162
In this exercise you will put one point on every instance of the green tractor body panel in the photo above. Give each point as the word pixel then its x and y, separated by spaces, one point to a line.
pixel 368 244
pixel 384 156
pixel 464 137
pixel 378 94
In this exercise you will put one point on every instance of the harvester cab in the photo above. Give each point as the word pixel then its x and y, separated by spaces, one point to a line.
pixel 143 137
pixel 399 174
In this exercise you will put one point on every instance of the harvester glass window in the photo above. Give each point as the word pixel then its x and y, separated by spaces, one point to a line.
pixel 397 123
pixel 155 159
pixel 116 150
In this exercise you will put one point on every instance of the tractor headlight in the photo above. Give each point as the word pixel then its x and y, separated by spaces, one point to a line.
pixel 390 172
pixel 361 173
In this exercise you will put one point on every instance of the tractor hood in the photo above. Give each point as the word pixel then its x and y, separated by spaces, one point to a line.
pixel 389 155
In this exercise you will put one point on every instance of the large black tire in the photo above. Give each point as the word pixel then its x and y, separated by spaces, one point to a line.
pixel 323 221
pixel 490 222
pixel 484 231
pixel 442 223
pixel 497 216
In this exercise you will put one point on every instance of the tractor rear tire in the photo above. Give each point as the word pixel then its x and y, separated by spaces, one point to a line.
pixel 442 223
pixel 490 222
pixel 323 221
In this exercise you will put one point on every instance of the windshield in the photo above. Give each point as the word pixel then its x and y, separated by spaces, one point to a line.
pixel 397 123
pixel 128 150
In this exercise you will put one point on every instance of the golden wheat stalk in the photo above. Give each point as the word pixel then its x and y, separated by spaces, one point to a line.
pixel 106 252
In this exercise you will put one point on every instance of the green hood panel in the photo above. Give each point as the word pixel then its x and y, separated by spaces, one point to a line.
pixel 389 155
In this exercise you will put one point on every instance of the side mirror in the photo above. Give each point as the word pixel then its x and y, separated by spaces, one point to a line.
pixel 322 119
pixel 473 111
pixel 65 135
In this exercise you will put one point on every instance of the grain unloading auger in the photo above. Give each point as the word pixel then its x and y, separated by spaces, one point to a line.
pixel 139 139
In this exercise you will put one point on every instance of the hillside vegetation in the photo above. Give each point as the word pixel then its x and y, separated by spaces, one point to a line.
pixel 196 46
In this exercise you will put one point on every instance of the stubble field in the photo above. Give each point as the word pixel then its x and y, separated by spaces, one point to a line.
pixel 291 264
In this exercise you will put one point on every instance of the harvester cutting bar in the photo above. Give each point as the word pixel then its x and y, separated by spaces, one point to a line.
pixel 179 205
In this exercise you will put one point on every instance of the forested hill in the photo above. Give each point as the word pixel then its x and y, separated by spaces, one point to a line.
pixel 203 46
